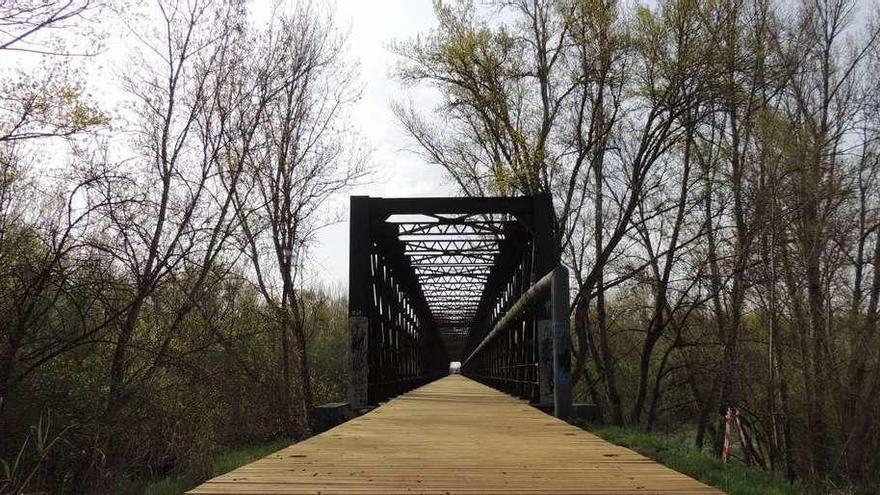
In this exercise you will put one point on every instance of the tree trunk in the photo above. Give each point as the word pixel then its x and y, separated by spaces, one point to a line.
pixel 287 411
pixel 305 378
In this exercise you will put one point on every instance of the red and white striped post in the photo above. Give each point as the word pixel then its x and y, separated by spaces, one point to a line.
pixel 728 419
pixel 743 440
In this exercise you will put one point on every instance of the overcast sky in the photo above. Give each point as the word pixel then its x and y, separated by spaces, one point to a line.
pixel 373 25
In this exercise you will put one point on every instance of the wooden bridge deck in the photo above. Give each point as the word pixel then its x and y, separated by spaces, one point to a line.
pixel 454 436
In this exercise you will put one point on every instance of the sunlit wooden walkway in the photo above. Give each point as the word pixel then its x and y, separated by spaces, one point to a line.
pixel 454 436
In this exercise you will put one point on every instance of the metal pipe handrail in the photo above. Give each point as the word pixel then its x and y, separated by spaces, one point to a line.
pixel 540 289
pixel 558 365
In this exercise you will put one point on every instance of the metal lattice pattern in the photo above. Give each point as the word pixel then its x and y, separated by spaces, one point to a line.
pixel 452 257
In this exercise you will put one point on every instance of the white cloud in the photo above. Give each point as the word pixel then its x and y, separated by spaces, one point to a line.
pixel 373 26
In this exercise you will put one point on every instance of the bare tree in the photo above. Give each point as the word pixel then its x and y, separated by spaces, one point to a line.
pixel 820 104
pixel 52 101
pixel 24 24
pixel 166 218
pixel 306 155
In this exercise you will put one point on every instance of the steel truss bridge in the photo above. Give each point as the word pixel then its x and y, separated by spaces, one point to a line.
pixel 469 280
pixel 473 280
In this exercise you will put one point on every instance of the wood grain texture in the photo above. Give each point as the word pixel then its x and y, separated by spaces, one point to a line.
pixel 454 436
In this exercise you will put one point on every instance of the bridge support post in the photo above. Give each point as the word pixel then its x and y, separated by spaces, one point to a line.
pixel 543 260
pixel 359 302
pixel 559 300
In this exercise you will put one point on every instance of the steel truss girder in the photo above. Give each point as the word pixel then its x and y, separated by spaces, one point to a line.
pixel 463 271
pixel 447 227
pixel 452 278
pixel 457 285
pixel 460 258
pixel 452 245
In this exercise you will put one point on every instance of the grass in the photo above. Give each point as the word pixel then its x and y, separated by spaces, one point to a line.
pixel 734 477
pixel 223 463
pixel 676 452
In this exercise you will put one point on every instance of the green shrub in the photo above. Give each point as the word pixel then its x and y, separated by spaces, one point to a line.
pixel 221 464
pixel 732 477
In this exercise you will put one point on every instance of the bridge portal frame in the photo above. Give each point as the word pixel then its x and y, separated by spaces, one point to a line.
pixel 395 344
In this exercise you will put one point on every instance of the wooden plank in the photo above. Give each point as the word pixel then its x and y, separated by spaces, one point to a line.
pixel 454 436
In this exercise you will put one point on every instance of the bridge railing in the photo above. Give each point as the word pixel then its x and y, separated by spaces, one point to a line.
pixel 506 351
pixel 393 345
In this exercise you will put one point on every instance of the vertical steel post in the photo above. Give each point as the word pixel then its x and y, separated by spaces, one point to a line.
pixel 559 297
pixel 543 260
pixel 359 302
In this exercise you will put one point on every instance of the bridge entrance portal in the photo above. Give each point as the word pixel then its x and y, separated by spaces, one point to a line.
pixel 472 280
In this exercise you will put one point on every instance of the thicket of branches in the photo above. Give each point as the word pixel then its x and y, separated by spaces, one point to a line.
pixel 152 308
pixel 714 171
pixel 714 168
